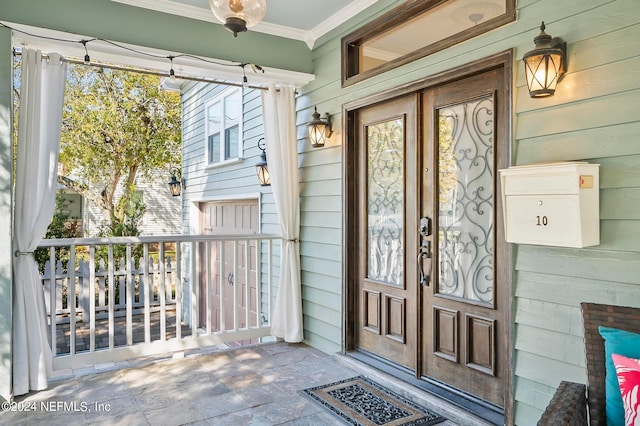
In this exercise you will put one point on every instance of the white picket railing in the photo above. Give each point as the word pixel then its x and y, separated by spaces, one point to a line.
pixel 83 281
pixel 155 306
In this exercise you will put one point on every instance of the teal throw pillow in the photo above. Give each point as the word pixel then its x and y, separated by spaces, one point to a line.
pixel 622 343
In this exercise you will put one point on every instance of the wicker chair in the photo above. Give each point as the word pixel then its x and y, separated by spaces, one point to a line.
pixel 569 404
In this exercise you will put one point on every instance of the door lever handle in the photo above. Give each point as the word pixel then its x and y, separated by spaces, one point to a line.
pixel 424 253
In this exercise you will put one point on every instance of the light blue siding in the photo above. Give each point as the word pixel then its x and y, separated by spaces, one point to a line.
pixel 593 117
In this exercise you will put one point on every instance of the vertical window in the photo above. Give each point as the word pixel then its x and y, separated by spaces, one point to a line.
pixel 224 127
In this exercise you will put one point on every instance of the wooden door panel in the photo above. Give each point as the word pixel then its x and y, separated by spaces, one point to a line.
pixel 464 138
pixel 481 344
pixel 445 333
pixel 386 289
pixel 396 318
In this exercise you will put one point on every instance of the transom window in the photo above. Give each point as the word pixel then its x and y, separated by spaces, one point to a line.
pixel 224 127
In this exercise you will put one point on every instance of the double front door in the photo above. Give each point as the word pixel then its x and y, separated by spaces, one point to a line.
pixel 429 282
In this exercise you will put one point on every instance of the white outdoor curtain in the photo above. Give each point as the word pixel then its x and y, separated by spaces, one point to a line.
pixel 278 109
pixel 40 117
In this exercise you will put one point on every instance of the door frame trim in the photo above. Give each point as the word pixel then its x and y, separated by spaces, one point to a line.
pixel 350 167
pixel 194 207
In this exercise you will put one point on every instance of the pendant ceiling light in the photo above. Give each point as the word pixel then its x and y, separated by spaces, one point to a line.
pixel 237 15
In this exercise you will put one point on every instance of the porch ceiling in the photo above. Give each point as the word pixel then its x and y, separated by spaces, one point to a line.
pixel 303 20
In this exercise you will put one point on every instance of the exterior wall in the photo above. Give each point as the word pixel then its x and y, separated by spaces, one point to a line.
pixel 236 180
pixel 6 111
pixel 161 217
pixel 593 117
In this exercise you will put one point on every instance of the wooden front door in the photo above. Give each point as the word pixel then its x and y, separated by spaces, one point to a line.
pixel 231 268
pixel 387 135
pixel 464 307
pixel 430 276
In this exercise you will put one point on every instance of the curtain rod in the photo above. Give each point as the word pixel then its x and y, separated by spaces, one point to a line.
pixel 149 72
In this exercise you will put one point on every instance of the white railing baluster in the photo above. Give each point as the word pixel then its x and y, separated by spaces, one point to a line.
pixel 194 285
pixel 92 298
pixel 163 295
pixel 269 279
pixel 52 299
pixel 71 298
pixel 235 287
pixel 147 293
pixel 178 290
pixel 102 302
pixel 129 297
pixel 112 297
pixel 259 283
pixel 207 280
pixel 223 288
pixel 247 284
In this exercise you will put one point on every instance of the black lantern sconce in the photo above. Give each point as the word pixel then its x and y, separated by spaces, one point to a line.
pixel 175 185
pixel 545 65
pixel 261 166
pixel 319 129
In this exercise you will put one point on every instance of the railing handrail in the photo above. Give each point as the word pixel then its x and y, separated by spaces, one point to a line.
pixel 61 242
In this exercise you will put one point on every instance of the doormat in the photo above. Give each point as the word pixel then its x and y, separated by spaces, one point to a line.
pixel 359 401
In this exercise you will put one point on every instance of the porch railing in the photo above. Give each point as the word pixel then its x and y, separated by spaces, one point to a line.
pixel 181 292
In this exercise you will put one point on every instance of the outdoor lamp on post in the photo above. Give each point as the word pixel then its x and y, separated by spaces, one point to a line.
pixel 237 15
pixel 261 166
pixel 545 65
pixel 319 129
pixel 175 185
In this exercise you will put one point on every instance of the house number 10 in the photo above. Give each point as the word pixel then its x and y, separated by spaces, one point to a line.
pixel 542 221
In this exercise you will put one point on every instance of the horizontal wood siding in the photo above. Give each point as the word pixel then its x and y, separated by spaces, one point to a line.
pixel 226 181
pixel 593 117
pixel 162 214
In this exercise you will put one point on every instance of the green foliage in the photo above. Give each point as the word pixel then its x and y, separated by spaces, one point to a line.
pixel 128 213
pixel 117 126
pixel 60 227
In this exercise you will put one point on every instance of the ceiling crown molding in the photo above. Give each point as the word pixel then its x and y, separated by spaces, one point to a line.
pixel 309 37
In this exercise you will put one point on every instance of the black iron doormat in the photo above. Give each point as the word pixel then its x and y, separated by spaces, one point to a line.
pixel 359 401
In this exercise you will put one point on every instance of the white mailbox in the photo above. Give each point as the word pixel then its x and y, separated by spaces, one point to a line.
pixel 552 204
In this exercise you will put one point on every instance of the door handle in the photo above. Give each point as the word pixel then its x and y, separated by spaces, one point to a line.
pixel 424 253
pixel 230 278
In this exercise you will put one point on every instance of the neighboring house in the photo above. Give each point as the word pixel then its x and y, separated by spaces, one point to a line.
pixel 530 327
pixel 162 215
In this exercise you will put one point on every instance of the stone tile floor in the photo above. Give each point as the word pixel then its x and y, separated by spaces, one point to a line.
pixel 254 385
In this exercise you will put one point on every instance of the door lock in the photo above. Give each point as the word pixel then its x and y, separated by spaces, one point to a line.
pixel 425 226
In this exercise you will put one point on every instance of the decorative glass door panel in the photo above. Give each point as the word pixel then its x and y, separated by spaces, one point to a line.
pixel 386 279
pixel 465 200
pixel 385 201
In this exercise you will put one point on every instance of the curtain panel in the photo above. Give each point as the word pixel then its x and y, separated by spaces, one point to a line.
pixel 40 117
pixel 278 108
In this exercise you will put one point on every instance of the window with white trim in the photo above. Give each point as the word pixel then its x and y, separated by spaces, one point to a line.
pixel 224 127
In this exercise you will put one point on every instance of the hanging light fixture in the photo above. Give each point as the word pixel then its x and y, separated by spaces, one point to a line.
pixel 261 166
pixel 545 65
pixel 175 185
pixel 237 15
pixel 319 129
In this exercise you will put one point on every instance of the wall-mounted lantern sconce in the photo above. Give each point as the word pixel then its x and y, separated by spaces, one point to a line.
pixel 175 185
pixel 545 65
pixel 261 166
pixel 319 129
